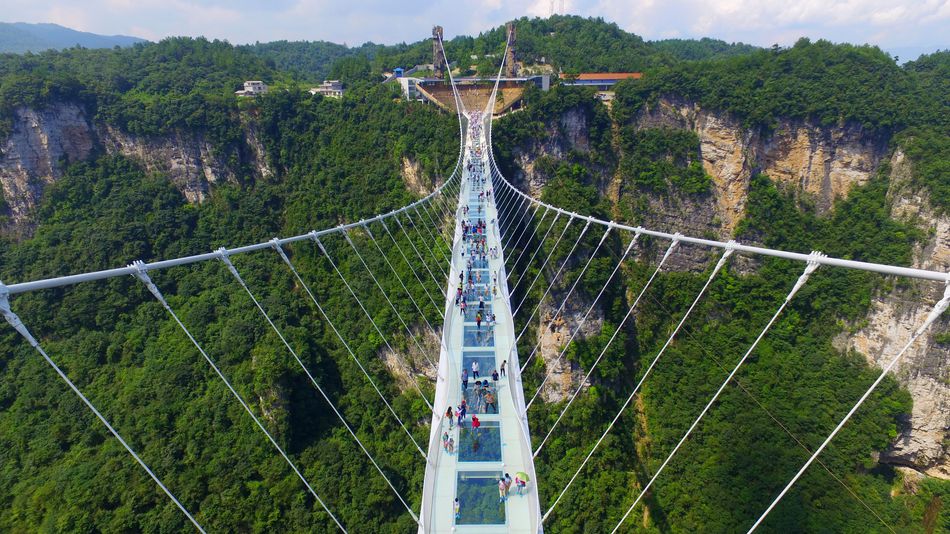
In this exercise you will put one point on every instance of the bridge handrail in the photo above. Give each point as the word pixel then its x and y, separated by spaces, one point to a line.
pixel 909 272
pixel 60 281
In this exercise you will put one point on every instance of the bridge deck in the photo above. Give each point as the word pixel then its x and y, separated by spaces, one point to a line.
pixel 501 446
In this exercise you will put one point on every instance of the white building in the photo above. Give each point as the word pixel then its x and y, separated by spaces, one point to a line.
pixel 329 88
pixel 252 88
pixel 409 88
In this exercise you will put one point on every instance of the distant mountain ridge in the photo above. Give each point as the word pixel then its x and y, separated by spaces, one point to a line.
pixel 20 37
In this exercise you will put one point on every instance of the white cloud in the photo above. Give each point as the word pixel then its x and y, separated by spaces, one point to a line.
pixel 891 24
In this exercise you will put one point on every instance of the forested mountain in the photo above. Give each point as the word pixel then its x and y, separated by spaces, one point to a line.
pixel 19 37
pixel 684 149
pixel 567 43
pixel 159 159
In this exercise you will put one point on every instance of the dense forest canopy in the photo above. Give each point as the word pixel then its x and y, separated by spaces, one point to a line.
pixel 342 160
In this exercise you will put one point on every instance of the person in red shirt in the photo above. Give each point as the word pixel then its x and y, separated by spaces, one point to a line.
pixel 475 424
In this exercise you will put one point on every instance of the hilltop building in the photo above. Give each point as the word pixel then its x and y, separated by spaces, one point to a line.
pixel 252 88
pixel 602 81
pixel 329 88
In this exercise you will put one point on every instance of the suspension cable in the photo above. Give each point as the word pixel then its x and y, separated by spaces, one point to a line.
pixel 507 246
pixel 534 254
pixel 413 269
pixel 425 263
pixel 425 243
pixel 372 275
pixel 223 255
pixel 438 226
pixel 326 317
pixel 434 230
pixel 938 309
pixel 701 346
pixel 18 325
pixel 505 218
pixel 541 270
pixel 534 233
pixel 524 233
pixel 553 281
pixel 401 282
pixel 630 398
pixel 576 330
pixel 809 269
pixel 560 308
pixel 142 276
pixel 366 312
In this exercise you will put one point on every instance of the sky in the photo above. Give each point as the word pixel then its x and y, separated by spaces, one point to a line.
pixel 905 28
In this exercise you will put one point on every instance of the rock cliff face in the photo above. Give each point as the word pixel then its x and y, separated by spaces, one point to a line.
pixel 553 335
pixel 893 318
pixel 821 164
pixel 44 141
pixel 41 144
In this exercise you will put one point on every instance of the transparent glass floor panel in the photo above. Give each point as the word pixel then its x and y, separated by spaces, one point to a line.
pixel 483 445
pixel 477 401
pixel 471 295
pixel 472 309
pixel 486 364
pixel 479 337
pixel 477 493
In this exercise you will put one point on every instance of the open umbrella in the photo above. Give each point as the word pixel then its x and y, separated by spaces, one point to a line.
pixel 523 476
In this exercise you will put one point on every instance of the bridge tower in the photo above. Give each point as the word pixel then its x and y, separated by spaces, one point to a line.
pixel 511 68
pixel 438 56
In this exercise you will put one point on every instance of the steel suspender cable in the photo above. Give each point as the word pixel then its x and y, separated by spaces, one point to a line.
pixel 413 269
pixel 576 330
pixel 517 211
pixel 509 203
pixel 425 264
pixel 535 253
pixel 403 284
pixel 326 317
pixel 660 305
pixel 564 303
pixel 510 242
pixel 438 240
pixel 524 233
pixel 543 265
pixel 938 309
pixel 237 276
pixel 18 325
pixel 504 217
pixel 438 230
pixel 437 261
pixel 367 314
pixel 143 276
pixel 809 269
pixel 553 281
pixel 419 346
pixel 534 232
pixel 630 398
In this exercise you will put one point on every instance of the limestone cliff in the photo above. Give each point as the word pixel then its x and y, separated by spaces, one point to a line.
pixel 820 164
pixel 553 335
pixel 895 314
pixel 43 142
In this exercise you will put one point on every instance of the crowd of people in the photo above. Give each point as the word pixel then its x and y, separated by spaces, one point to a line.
pixel 475 293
